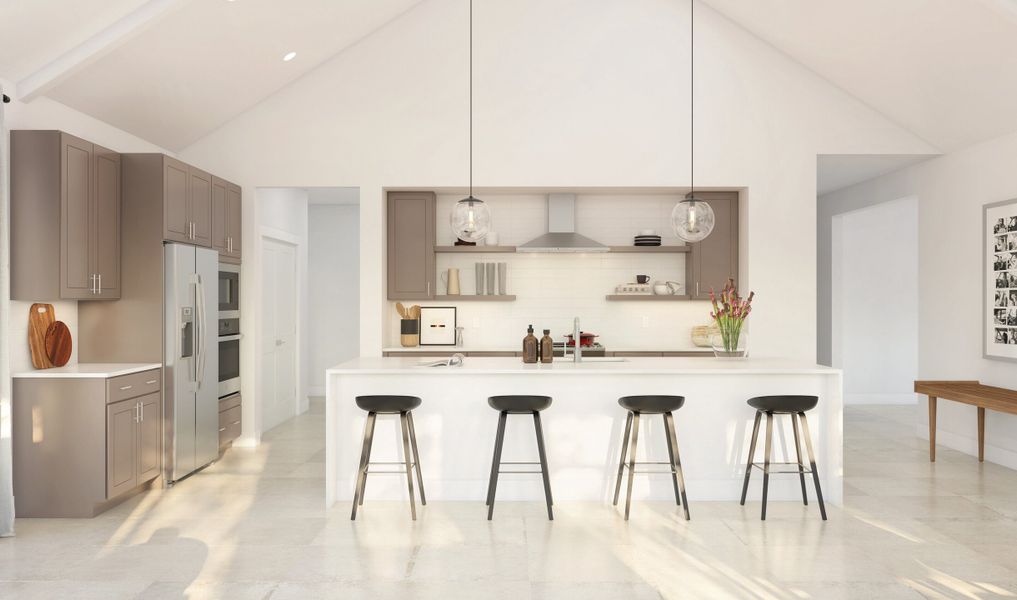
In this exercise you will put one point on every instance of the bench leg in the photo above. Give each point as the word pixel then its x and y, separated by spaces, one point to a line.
pixel 981 434
pixel 932 429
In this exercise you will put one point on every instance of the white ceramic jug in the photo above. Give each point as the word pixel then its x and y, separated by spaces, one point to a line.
pixel 451 280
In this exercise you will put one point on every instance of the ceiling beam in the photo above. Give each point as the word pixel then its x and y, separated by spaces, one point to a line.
pixel 48 76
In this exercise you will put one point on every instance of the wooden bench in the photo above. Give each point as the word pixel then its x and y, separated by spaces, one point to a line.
pixel 966 392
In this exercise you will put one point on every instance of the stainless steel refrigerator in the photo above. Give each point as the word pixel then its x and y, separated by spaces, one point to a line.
pixel 191 405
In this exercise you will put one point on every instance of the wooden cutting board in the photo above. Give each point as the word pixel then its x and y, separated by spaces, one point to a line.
pixel 58 343
pixel 40 317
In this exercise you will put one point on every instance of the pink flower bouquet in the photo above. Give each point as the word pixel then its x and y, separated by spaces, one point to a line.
pixel 730 311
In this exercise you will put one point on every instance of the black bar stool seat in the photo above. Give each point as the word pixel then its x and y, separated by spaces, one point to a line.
pixel 652 405
pixel 783 404
pixel 795 407
pixel 388 404
pixel 519 404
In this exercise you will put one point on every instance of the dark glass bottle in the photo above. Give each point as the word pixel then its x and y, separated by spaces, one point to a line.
pixel 530 346
pixel 546 347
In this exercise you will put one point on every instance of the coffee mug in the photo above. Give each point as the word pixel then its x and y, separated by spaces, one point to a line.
pixel 642 278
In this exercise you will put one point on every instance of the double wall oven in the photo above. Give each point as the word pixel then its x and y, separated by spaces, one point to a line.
pixel 229 329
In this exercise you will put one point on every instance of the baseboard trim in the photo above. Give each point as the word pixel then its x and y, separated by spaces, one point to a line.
pixel 908 398
pixel 315 390
pixel 969 445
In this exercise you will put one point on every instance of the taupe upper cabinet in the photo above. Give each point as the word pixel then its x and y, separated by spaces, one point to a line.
pixel 187 203
pixel 715 260
pixel 411 239
pixel 226 219
pixel 65 218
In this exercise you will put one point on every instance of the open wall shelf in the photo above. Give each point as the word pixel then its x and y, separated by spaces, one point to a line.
pixel 647 297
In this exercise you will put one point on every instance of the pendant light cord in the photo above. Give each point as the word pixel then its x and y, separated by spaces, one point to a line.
pixel 692 98
pixel 471 98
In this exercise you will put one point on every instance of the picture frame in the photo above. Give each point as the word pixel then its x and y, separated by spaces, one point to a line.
pixel 438 326
pixel 999 282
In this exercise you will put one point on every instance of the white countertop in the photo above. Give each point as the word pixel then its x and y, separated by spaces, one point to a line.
pixel 452 349
pixel 98 370
pixel 629 366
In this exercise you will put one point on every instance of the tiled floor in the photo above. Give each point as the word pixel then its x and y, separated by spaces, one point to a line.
pixel 253 526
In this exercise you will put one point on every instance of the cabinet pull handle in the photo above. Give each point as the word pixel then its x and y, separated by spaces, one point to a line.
pixel 125 387
pixel 152 382
pixel 142 405
pixel 222 429
pixel 137 413
pixel 235 423
pixel 100 283
pixel 429 288
pixel 92 279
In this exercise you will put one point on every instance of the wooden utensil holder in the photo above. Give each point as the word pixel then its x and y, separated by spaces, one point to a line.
pixel 409 333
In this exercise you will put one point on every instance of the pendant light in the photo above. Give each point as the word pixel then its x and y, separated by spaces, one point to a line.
pixel 470 218
pixel 692 218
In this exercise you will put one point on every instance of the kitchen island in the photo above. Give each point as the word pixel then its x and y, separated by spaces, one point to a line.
pixel 582 428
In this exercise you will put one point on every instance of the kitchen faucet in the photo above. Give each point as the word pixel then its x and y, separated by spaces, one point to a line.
pixel 577 349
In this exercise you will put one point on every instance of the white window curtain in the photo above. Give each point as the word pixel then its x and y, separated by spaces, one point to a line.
pixel 6 469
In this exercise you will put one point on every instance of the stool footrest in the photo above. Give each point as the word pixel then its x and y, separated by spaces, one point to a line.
pixel 804 469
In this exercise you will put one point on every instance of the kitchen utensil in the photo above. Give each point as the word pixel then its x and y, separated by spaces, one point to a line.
pixel 58 343
pixel 414 312
pixel 491 239
pixel 401 309
pixel 409 333
pixel 40 317
pixel 642 278
pixel 492 281
pixel 481 286
pixel 502 278
pixel 451 280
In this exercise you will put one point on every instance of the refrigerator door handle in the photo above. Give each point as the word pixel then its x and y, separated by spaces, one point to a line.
pixel 200 331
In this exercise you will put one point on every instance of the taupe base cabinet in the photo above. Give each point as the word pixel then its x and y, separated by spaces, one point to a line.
pixel 229 421
pixel 82 444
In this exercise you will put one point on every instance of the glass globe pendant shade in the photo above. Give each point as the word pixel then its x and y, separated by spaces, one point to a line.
pixel 692 219
pixel 470 219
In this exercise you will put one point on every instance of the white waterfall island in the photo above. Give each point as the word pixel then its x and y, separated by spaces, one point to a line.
pixel 583 427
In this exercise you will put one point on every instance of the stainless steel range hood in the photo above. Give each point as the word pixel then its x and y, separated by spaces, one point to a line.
pixel 561 233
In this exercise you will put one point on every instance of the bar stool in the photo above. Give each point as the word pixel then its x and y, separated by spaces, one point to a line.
pixel 518 405
pixel 783 405
pixel 389 405
pixel 651 405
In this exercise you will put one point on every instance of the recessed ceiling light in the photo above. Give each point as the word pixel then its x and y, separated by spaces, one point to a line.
pixel 289 56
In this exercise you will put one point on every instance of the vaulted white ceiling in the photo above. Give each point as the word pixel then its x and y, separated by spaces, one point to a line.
pixel 946 70
pixel 199 63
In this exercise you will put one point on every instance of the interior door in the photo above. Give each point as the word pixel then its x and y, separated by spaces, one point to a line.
pixel 279 332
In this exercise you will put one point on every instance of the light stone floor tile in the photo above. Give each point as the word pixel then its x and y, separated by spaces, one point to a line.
pixel 253 526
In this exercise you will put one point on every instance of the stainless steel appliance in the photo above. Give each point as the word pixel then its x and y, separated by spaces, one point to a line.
pixel 191 407
pixel 229 356
pixel 229 291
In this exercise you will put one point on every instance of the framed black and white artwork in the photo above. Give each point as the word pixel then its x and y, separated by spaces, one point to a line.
pixel 999 294
pixel 437 326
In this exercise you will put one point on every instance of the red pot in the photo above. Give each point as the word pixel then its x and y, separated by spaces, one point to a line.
pixel 586 340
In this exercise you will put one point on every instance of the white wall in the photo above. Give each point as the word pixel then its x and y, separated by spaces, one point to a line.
pixel 573 94
pixel 875 302
pixel 334 289
pixel 43 113
pixel 952 190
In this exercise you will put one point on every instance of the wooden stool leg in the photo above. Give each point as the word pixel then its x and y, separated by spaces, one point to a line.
pixel 621 461
pixel 669 421
pixel 981 434
pixel 416 457
pixel 670 454
pixel 801 464
pixel 752 454
pixel 932 429
pixel 767 451
pixel 496 466
pixel 812 463
pixel 365 457
pixel 632 462
pixel 406 460
pixel 542 451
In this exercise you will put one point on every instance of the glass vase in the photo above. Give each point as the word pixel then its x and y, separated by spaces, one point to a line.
pixel 730 345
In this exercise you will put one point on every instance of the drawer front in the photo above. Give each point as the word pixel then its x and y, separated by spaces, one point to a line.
pixel 229 425
pixel 231 401
pixel 133 385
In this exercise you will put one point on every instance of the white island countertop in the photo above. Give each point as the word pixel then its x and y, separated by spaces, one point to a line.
pixel 97 370
pixel 588 366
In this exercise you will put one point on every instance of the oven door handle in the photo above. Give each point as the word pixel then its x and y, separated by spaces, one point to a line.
pixel 230 338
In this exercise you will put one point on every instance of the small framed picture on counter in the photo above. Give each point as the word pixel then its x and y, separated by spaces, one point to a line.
pixel 437 326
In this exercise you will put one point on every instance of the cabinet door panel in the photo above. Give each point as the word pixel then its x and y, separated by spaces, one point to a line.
pixel 234 218
pixel 121 447
pixel 411 245
pixel 219 219
pixel 76 224
pixel 149 438
pixel 107 199
pixel 715 260
pixel 176 223
pixel 200 207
